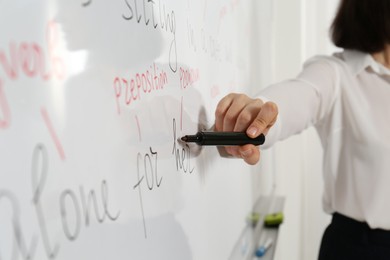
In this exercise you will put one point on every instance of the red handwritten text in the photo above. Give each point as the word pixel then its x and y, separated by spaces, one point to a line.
pixel 5 114
pixel 131 89
pixel 188 77
pixel 30 59
pixel 53 134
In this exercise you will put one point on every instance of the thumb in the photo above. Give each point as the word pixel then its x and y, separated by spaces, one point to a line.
pixel 264 120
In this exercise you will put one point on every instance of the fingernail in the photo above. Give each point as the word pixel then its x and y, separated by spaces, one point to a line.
pixel 246 153
pixel 252 131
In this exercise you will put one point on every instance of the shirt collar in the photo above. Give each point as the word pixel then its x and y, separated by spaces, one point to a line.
pixel 359 61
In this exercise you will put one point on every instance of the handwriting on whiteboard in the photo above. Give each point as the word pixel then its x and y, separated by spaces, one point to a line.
pixel 5 115
pixel 82 203
pixel 161 19
pixel 131 89
pixel 30 58
pixel 188 76
pixel 182 154
pixel 147 173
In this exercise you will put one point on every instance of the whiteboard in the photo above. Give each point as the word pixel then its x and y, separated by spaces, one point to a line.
pixel 93 98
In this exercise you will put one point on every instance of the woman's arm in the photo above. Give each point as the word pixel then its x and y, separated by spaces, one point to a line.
pixel 294 105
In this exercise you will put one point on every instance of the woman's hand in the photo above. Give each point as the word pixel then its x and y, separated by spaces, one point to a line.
pixel 239 113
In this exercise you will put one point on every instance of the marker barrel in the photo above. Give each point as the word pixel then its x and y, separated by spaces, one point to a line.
pixel 224 138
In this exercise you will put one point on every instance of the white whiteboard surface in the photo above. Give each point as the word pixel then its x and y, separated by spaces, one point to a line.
pixel 93 97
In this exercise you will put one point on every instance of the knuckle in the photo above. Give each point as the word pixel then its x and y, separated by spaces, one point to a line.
pixel 242 98
pixel 231 95
pixel 229 118
pixel 258 102
pixel 244 117
pixel 220 111
pixel 272 107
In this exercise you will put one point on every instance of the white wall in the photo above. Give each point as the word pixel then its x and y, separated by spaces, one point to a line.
pixel 300 31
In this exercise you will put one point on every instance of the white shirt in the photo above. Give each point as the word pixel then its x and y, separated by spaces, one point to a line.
pixel 347 98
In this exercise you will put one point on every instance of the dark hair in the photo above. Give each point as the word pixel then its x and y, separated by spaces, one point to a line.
pixel 362 25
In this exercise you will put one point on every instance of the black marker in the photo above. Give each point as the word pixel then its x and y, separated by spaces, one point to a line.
pixel 223 138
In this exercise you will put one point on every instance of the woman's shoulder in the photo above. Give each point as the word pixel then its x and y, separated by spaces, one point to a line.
pixel 345 61
pixel 320 66
pixel 334 60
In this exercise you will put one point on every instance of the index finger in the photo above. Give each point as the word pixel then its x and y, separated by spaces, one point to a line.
pixel 264 120
pixel 220 111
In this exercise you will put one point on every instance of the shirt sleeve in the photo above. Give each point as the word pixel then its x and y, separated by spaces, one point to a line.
pixel 304 100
